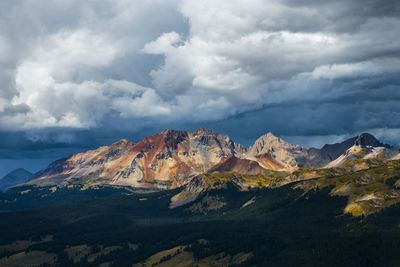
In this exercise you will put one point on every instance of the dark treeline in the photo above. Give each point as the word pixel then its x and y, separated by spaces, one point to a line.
pixel 283 227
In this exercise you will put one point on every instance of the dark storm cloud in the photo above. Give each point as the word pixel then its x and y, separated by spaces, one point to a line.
pixel 79 74
pixel 357 7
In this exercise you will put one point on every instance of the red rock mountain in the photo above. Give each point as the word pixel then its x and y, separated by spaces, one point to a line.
pixel 242 166
pixel 171 158
pixel 162 160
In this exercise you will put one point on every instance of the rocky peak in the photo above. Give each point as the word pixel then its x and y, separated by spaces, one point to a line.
pixel 207 137
pixel 281 151
pixel 269 143
pixel 204 131
pixel 366 139
pixel 167 138
pixel 210 138
pixel 121 143
pixel 174 134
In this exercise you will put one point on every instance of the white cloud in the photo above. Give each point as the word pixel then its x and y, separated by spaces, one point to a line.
pixel 345 70
pixel 163 44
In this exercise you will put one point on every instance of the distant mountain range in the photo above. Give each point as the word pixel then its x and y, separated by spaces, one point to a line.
pixel 16 177
pixel 172 158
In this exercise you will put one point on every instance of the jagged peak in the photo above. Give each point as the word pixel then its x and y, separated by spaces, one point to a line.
pixel 204 131
pixel 367 139
pixel 174 134
pixel 270 134
pixel 121 142
pixel 269 137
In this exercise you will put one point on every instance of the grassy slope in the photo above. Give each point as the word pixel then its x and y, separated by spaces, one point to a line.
pixel 368 190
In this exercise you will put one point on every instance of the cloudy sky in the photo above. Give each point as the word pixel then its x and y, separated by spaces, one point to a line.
pixel 78 74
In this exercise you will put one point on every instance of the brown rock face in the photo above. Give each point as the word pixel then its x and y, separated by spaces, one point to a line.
pixel 162 160
pixel 282 154
pixel 171 158
pixel 268 162
pixel 242 166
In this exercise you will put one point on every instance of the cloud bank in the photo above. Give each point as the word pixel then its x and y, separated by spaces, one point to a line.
pixel 297 68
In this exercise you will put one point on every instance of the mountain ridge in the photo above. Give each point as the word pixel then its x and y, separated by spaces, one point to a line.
pixel 169 159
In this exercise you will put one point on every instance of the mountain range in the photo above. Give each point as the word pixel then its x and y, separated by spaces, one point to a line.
pixel 200 199
pixel 172 158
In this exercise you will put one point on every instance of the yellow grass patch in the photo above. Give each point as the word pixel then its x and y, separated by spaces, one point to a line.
pixel 158 256
pixel 32 258
pixel 354 209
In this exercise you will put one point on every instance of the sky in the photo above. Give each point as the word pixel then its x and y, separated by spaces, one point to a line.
pixel 78 74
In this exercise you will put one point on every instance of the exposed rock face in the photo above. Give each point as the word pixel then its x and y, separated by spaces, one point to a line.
pixel 366 139
pixel 242 166
pixel 283 155
pixel 16 177
pixel 282 152
pixel 365 146
pixel 162 160
pixel 292 157
pixel 333 151
pixel 268 162
pixel 171 158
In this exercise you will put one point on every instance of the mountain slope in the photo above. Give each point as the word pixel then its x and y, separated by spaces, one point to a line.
pixel 292 157
pixel 162 160
pixel 365 146
pixel 16 177
pixel 330 152
pixel 242 166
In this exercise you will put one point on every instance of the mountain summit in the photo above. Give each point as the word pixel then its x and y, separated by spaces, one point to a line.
pixel 365 146
pixel 366 139
pixel 282 152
